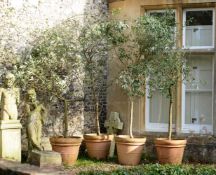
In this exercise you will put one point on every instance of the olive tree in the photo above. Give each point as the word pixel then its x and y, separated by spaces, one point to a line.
pixel 52 64
pixel 97 38
pixel 168 66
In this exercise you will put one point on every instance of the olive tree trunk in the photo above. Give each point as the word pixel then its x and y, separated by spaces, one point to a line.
pixel 65 121
pixel 97 122
pixel 131 117
pixel 96 103
pixel 170 114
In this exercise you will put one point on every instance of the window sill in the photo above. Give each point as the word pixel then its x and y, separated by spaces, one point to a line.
pixel 209 50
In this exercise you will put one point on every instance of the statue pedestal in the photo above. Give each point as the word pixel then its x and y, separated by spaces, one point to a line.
pixel 10 140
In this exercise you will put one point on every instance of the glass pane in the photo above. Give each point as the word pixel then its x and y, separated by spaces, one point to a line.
pixel 198 108
pixel 201 69
pixel 199 28
pixel 159 108
pixel 198 102
pixel 199 18
pixel 159 14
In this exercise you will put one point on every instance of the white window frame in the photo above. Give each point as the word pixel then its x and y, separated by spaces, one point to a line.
pixel 184 28
pixel 196 128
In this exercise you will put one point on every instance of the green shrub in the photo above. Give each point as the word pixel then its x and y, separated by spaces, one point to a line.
pixel 156 169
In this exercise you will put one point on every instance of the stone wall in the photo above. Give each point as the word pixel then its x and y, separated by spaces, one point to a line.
pixel 33 16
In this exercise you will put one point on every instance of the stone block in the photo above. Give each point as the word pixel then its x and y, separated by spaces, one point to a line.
pixel 45 158
pixel 10 140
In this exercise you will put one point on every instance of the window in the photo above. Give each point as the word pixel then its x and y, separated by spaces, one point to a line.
pixel 157 113
pixel 198 28
pixel 197 101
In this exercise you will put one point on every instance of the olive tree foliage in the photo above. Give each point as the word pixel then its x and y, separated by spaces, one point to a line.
pixel 151 61
pixel 52 64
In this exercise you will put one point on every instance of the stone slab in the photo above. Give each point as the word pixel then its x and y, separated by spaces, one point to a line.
pixel 45 158
pixel 10 140
pixel 16 168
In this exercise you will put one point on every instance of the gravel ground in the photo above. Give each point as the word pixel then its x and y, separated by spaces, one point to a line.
pixel 85 164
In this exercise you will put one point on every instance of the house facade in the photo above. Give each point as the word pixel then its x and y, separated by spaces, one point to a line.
pixel 195 101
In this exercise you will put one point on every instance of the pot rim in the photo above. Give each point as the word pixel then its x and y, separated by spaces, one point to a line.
pixel 69 140
pixel 127 139
pixel 167 142
pixel 95 137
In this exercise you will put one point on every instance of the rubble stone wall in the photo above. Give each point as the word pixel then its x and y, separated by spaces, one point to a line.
pixel 199 148
pixel 37 15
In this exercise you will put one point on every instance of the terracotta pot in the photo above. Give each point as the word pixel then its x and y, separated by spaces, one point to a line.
pixel 67 147
pixel 129 150
pixel 170 151
pixel 97 146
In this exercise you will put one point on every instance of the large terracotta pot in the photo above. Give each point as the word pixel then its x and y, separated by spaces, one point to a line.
pixel 129 150
pixel 97 146
pixel 67 147
pixel 170 151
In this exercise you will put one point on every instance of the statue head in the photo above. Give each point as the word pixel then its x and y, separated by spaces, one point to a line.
pixel 8 79
pixel 31 95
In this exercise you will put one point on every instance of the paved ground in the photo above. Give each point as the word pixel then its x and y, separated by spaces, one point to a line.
pixel 14 168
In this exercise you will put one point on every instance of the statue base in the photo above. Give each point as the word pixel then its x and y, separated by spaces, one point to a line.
pixel 10 140
pixel 45 158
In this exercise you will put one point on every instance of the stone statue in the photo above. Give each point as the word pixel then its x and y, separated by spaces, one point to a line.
pixel 36 114
pixel 113 124
pixel 9 96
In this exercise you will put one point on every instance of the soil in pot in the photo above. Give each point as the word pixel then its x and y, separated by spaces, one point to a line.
pixel 170 151
pixel 97 146
pixel 67 147
pixel 129 150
